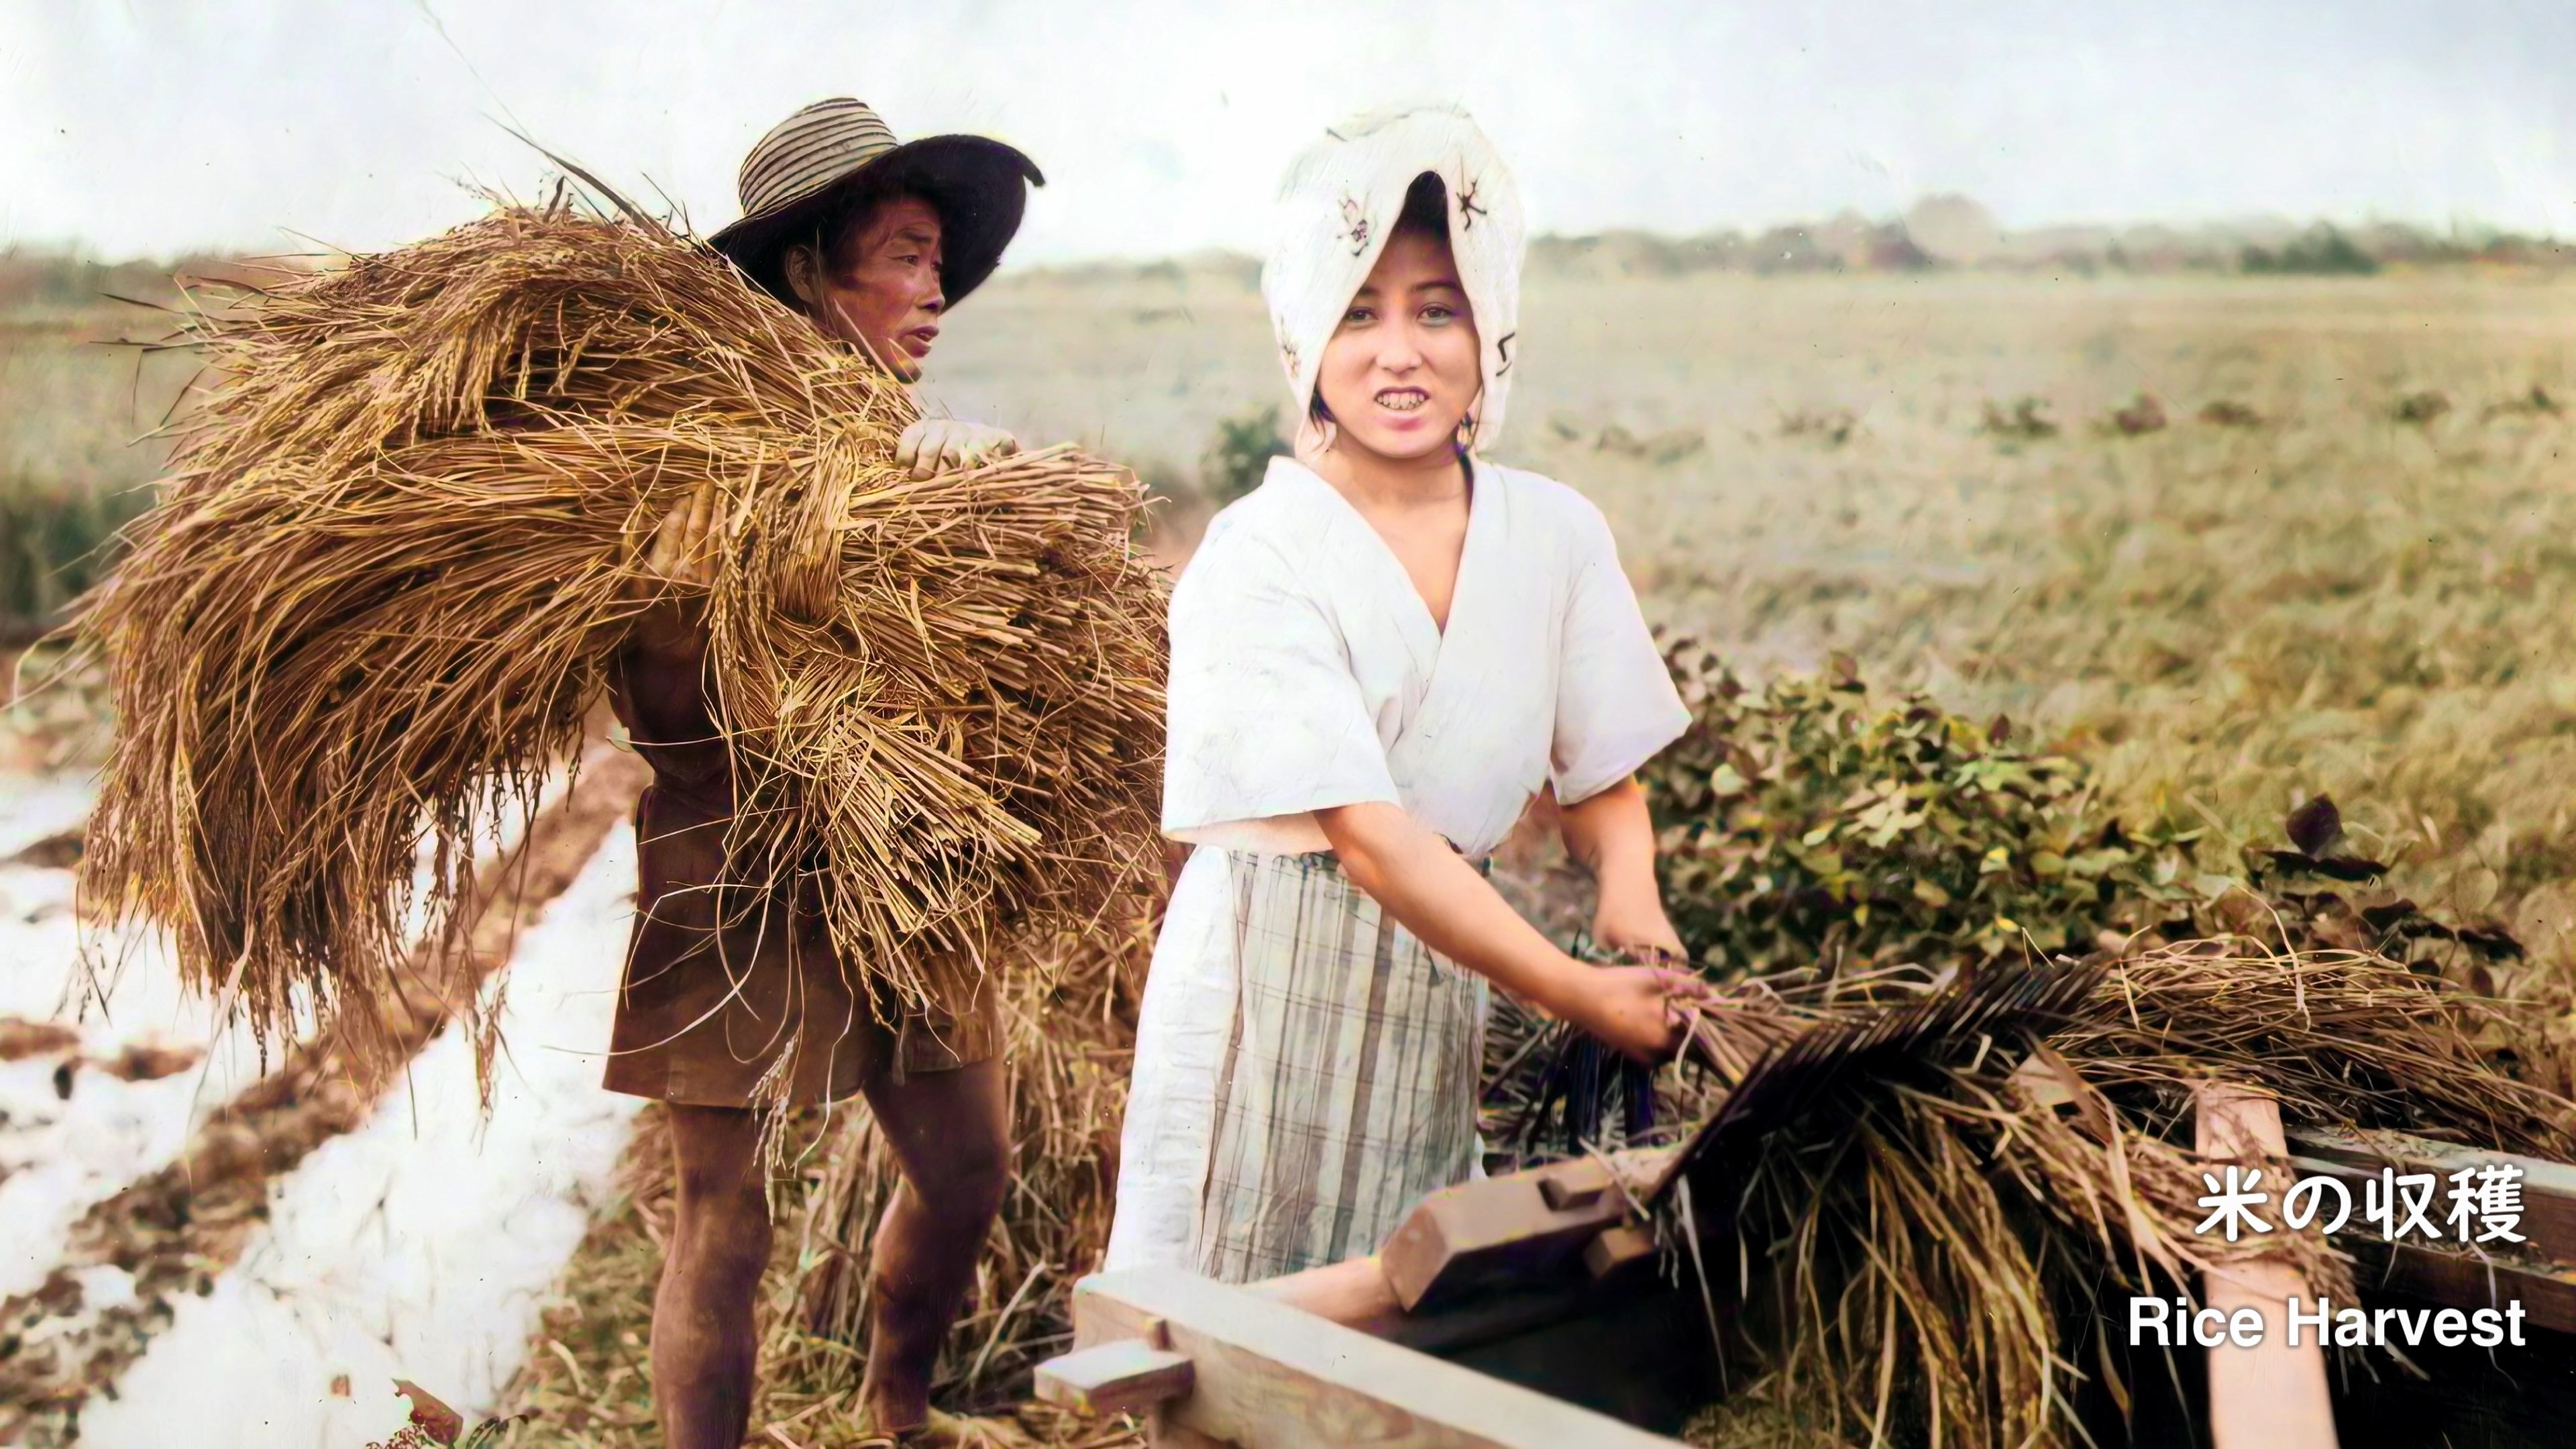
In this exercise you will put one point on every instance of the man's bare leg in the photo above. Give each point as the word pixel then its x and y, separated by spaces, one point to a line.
pixel 950 1132
pixel 705 1351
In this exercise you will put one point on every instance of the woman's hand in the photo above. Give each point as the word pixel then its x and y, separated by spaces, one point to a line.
pixel 946 445
pixel 1636 925
pixel 1415 877
pixel 1637 1010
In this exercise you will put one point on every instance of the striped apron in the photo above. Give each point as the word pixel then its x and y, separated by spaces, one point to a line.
pixel 1348 1086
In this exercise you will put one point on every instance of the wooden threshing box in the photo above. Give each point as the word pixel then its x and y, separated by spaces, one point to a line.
pixel 1526 1312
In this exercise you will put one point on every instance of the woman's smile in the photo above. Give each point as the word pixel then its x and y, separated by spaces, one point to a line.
pixel 1402 400
pixel 1402 369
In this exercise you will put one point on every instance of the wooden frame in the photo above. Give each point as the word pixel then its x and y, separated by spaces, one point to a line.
pixel 1268 1376
pixel 2539 1274
pixel 1517 1227
pixel 2271 1395
pixel 1512 1281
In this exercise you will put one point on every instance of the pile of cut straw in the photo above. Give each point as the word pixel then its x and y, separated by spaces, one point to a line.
pixel 402 540
pixel 1932 1254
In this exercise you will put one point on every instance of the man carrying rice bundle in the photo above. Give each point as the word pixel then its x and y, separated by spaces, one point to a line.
pixel 897 684
pixel 873 241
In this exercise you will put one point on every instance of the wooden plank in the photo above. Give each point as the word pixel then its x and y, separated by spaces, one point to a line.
pixel 2451 1274
pixel 1520 1226
pixel 1271 1377
pixel 1126 1377
pixel 2456 1279
pixel 2271 1395
pixel 1353 1293
pixel 2548 1188
pixel 1618 1250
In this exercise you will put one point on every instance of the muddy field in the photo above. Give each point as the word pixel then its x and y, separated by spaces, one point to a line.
pixel 2238 541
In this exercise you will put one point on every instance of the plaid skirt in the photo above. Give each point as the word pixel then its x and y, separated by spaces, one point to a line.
pixel 1348 1087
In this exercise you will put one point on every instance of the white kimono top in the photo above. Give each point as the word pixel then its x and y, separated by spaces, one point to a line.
pixel 1306 672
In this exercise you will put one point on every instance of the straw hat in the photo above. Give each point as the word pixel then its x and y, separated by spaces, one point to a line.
pixel 810 160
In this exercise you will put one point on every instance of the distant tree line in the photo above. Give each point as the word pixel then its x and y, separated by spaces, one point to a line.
pixel 1937 232
pixel 2324 252
pixel 44 278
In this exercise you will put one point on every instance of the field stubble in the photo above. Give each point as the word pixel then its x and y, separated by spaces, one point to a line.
pixel 2311 596
pixel 75 456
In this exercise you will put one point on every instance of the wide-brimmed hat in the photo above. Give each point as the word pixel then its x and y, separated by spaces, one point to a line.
pixel 810 160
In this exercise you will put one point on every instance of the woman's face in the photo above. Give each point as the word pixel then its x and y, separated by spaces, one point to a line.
pixel 1402 369
pixel 880 290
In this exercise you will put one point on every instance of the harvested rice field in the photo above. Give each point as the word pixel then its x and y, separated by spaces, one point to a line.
pixel 2232 542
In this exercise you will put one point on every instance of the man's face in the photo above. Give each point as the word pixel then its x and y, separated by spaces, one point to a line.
pixel 879 290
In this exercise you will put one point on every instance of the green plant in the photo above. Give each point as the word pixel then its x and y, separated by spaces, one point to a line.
pixel 1670 446
pixel 1832 427
pixel 2322 252
pixel 2026 421
pixel 2420 408
pixel 2538 402
pixel 1802 824
pixel 55 540
pixel 1240 454
pixel 2142 415
pixel 1805 826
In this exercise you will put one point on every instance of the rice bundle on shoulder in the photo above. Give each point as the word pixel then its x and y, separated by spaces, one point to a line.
pixel 402 541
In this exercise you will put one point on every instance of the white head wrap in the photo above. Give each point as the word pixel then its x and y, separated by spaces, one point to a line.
pixel 1342 199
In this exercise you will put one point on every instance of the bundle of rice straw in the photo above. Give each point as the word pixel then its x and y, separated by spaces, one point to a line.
pixel 1929 1248
pixel 401 540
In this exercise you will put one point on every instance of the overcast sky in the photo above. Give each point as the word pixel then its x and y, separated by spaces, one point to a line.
pixel 151 126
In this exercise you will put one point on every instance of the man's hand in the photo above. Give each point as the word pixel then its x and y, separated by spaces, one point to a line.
pixel 946 445
pixel 683 550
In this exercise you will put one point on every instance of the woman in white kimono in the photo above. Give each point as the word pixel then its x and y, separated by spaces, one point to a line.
pixel 1379 657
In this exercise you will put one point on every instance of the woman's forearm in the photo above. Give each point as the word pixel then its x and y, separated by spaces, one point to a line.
pixel 1613 834
pixel 1433 892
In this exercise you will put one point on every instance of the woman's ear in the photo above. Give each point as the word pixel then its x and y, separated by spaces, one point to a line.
pixel 803 277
